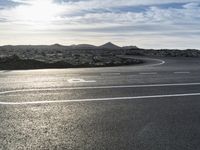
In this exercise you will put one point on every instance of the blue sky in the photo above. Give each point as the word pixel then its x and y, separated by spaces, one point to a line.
pixel 145 23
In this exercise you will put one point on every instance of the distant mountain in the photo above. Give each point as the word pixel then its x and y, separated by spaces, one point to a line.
pixel 109 45
pixel 56 45
pixel 83 46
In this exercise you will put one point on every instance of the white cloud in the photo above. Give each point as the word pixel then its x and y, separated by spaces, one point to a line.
pixel 75 20
pixel 191 5
pixel 76 12
pixel 89 4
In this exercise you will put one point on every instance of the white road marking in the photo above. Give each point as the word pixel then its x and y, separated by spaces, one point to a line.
pixel 182 72
pixel 162 63
pixel 110 74
pixel 74 80
pixel 147 73
pixel 73 74
pixel 100 99
pixel 158 64
pixel 98 87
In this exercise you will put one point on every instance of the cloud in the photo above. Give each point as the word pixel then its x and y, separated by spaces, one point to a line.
pixel 107 11
pixel 117 19
pixel 191 5
pixel 8 3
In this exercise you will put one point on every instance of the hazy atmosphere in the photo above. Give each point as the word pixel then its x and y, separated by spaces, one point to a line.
pixel 145 23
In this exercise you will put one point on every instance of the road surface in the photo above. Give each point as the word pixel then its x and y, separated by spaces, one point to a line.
pixel 153 106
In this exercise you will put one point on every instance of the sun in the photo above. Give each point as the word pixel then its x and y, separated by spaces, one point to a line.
pixel 39 11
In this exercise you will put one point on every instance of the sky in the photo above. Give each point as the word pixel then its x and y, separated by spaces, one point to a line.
pixel 144 23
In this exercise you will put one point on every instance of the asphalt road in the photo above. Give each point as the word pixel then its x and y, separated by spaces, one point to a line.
pixel 154 106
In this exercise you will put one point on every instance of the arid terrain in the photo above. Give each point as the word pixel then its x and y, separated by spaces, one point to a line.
pixel 83 55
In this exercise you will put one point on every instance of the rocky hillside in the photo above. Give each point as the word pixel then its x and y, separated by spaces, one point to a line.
pixel 164 53
pixel 14 63
pixel 83 55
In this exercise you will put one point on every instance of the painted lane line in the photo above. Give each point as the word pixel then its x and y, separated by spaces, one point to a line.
pixel 100 99
pixel 99 87
pixel 110 74
pixel 181 72
pixel 148 73
pixel 73 74
pixel 162 63
pixel 76 80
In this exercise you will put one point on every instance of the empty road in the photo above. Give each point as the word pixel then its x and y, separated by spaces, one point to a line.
pixel 153 106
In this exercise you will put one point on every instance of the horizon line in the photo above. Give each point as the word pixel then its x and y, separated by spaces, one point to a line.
pixel 64 45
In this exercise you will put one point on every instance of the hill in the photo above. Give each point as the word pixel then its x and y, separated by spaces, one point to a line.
pixel 109 45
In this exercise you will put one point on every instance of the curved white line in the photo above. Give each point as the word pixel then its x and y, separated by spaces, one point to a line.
pixel 99 99
pixel 162 62
pixel 98 87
